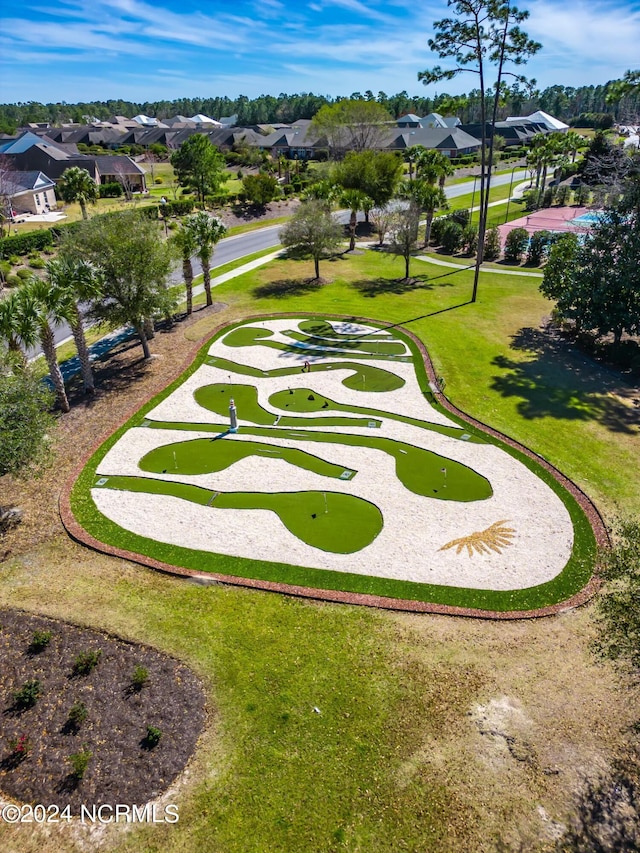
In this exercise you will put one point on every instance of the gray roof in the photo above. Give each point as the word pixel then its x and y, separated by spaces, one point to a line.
pixel 434 137
pixel 19 182
pixel 107 164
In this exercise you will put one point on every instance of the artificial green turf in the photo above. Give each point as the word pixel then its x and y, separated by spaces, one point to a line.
pixel 324 329
pixel 251 336
pixel 330 521
pixel 364 377
pixel 209 455
pixel 421 471
pixel 216 399
pixel 307 400
pixel 354 344
pixel 573 577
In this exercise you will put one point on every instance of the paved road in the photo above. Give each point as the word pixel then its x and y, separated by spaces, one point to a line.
pixel 241 245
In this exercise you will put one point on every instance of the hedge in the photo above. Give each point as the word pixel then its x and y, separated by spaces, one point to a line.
pixel 22 244
pixel 177 208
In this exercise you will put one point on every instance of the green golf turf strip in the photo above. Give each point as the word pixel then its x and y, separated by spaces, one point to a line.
pixel 322 329
pixel 330 521
pixel 251 336
pixel 421 471
pixel 355 344
pixel 210 455
pixel 215 398
pixel 306 400
pixel 363 377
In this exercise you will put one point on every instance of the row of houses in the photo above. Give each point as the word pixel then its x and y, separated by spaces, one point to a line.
pixel 39 155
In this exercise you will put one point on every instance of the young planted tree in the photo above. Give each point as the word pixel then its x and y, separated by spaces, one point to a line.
pixel 77 185
pixel 200 165
pixel 207 231
pixel 76 282
pixel 260 189
pixel 355 200
pixel 404 234
pixel 484 34
pixel 134 265
pixel 312 230
pixel 382 219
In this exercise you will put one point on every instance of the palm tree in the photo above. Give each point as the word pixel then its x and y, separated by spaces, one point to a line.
pixel 428 198
pixel 77 185
pixel 186 242
pixel 208 230
pixel 75 281
pixel 355 200
pixel 571 142
pixel 432 165
pixel 38 306
pixel 9 323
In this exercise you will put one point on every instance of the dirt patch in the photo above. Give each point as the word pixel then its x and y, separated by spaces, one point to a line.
pixel 245 214
pixel 37 738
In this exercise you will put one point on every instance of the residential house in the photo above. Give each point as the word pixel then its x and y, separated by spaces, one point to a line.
pixel 27 192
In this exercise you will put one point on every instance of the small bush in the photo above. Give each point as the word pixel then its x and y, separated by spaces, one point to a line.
pixel 36 264
pixel 85 662
pixel 462 217
pixel 140 677
pixel 152 737
pixel 13 281
pixel 23 274
pixel 538 247
pixel 5 268
pixel 77 714
pixel 451 236
pixel 492 245
pixel 177 208
pixel 470 239
pixel 39 641
pixel 28 695
pixel 515 245
pixel 80 761
pixel 158 180
pixel 14 260
pixel 112 190
pixel 20 747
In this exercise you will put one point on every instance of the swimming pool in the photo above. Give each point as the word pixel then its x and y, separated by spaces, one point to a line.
pixel 589 218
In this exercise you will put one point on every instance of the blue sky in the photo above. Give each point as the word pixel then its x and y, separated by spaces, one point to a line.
pixel 83 50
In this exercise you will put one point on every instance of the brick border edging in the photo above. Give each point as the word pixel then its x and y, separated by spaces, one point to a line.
pixel 78 533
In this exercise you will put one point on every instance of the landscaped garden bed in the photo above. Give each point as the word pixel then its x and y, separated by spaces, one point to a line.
pixel 88 718
pixel 331 483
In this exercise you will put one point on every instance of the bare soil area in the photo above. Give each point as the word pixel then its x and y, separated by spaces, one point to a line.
pixel 124 764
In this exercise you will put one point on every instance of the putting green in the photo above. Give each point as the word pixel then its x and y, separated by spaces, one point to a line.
pixel 251 336
pixel 216 399
pixel 209 455
pixel 323 329
pixel 305 400
pixel 359 345
pixel 423 472
pixel 330 521
pixel 364 377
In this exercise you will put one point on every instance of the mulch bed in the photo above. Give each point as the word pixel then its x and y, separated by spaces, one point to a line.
pixel 123 767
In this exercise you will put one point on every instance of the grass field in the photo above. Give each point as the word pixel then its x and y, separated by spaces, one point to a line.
pixel 419 719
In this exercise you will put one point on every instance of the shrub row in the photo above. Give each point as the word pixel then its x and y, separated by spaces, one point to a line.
pixel 22 244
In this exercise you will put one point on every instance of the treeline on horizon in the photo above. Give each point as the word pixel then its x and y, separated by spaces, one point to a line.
pixel 563 102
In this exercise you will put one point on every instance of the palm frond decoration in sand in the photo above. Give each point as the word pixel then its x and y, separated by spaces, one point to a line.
pixel 494 538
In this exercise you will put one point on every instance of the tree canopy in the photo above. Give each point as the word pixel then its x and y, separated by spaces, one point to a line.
pixel 312 231
pixel 134 264
pixel 25 418
pixel 77 185
pixel 199 165
pixel 357 125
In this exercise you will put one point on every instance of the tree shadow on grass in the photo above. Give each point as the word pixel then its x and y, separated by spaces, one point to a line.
pixel 372 287
pixel 557 382
pixel 283 288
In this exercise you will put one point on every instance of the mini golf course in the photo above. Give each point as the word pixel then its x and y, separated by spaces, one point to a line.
pixel 346 477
